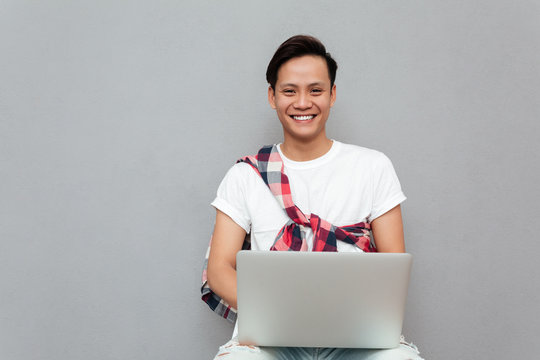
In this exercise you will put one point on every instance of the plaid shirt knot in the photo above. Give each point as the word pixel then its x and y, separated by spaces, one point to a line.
pixel 292 236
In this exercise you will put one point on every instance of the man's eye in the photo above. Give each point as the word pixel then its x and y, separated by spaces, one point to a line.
pixel 288 91
pixel 316 90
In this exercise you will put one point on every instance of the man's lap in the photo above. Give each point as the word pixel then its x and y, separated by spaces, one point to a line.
pixel 232 350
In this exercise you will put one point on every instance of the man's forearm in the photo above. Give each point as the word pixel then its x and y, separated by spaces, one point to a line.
pixel 222 280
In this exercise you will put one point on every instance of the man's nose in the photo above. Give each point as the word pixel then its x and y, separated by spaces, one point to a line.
pixel 302 101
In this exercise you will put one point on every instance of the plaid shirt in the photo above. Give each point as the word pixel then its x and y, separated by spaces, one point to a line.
pixel 292 236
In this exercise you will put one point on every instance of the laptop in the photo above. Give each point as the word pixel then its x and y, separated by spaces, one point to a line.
pixel 321 299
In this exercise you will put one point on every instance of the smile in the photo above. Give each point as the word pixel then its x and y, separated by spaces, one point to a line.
pixel 302 117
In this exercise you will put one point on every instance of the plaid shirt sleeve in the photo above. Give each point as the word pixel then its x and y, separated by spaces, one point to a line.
pixel 217 304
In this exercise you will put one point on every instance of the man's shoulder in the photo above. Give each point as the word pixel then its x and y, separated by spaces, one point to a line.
pixel 351 152
pixel 241 170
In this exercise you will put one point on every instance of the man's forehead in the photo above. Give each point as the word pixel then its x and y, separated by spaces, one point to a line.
pixel 304 70
pixel 298 84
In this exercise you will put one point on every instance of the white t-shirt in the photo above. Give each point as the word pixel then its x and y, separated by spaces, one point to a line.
pixel 347 185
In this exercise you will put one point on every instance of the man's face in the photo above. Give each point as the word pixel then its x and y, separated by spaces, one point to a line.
pixel 303 97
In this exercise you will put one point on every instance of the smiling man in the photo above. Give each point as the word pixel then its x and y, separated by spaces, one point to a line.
pixel 322 184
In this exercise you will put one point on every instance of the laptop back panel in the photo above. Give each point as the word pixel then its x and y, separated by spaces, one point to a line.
pixel 314 299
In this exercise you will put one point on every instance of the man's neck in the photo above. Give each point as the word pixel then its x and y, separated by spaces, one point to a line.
pixel 305 150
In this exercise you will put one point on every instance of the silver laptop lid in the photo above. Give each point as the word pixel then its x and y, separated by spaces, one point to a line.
pixel 314 299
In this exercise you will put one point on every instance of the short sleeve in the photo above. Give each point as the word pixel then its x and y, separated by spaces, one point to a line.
pixel 231 196
pixel 387 192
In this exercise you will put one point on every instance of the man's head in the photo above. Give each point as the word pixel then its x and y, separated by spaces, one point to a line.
pixel 302 90
pixel 297 46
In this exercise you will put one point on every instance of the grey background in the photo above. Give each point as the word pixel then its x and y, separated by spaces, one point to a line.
pixel 119 119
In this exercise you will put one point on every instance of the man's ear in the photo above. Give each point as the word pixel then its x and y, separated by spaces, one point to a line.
pixel 272 97
pixel 333 95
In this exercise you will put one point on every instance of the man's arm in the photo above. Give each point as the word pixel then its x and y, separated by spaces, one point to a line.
pixel 387 231
pixel 227 240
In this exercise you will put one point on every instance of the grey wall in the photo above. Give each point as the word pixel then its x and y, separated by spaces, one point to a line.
pixel 119 119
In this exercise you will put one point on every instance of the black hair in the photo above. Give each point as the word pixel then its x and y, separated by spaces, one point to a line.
pixel 296 46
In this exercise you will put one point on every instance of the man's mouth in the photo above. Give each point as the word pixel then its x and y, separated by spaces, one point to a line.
pixel 302 117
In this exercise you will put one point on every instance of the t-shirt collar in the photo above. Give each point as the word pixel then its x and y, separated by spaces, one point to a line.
pixel 330 154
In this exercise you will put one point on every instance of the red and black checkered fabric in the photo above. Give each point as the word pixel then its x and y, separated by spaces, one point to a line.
pixel 269 165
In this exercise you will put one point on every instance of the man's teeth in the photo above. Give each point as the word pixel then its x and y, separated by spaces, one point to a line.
pixel 303 118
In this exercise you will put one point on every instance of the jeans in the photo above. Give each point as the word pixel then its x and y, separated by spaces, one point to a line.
pixel 232 350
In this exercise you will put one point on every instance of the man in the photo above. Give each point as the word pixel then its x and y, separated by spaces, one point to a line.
pixel 339 183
